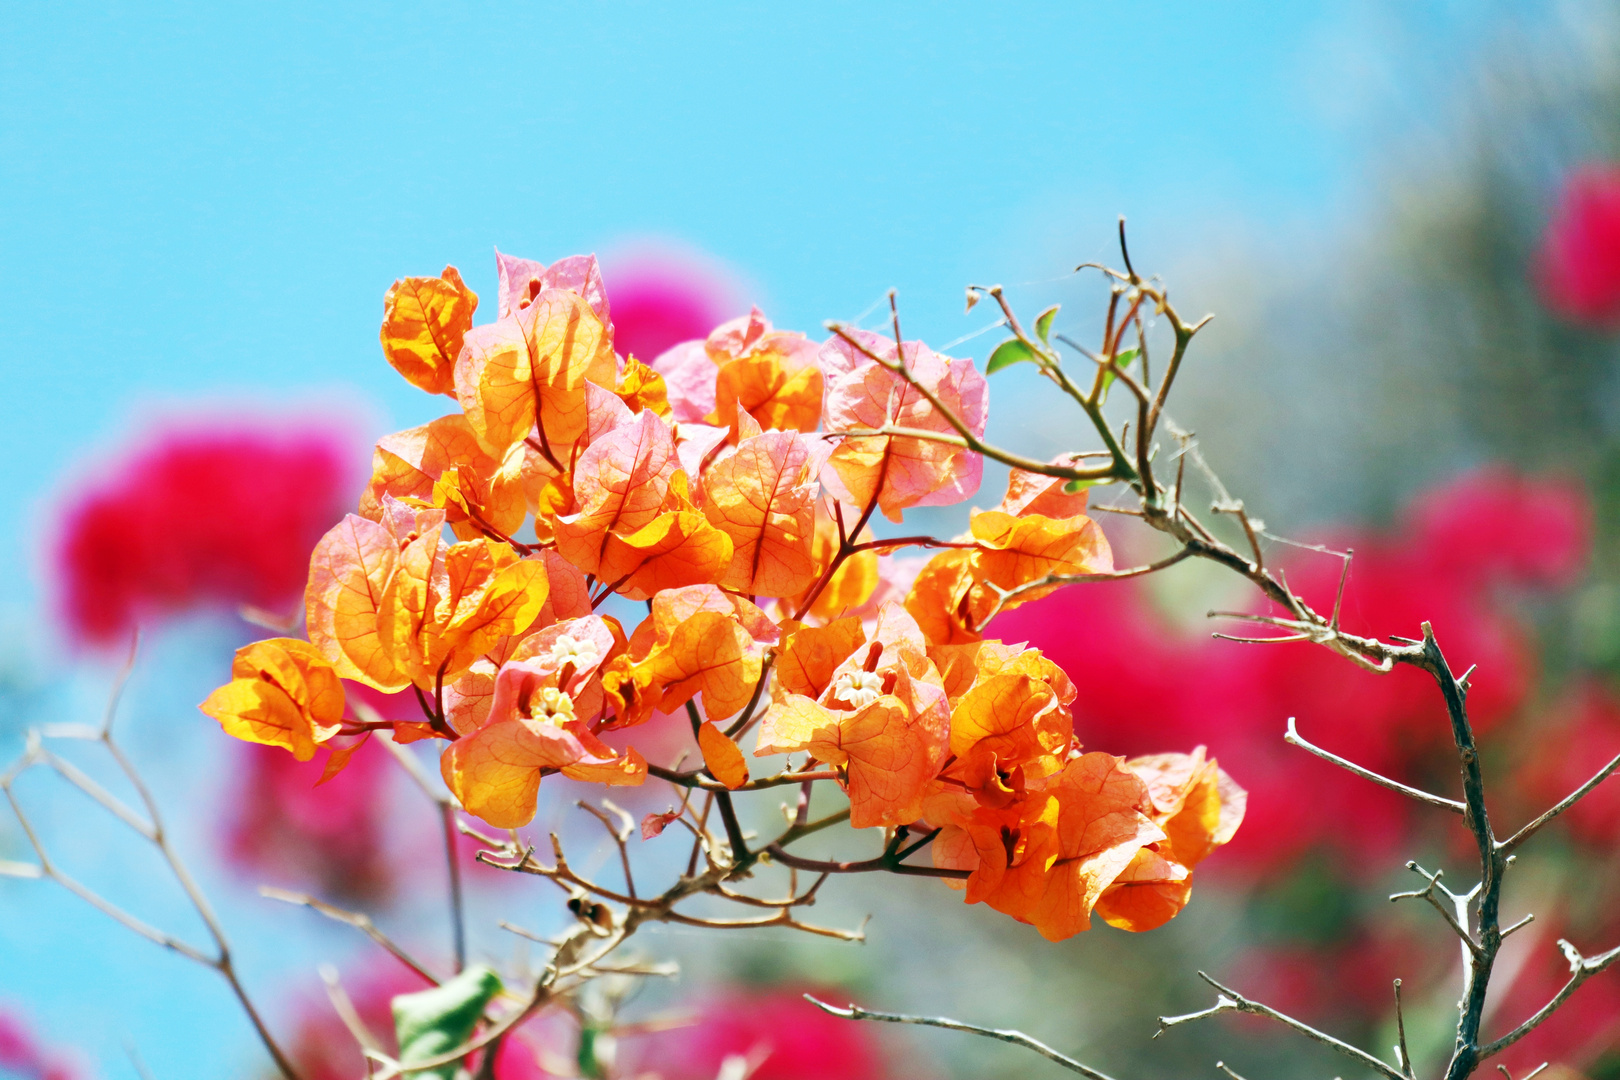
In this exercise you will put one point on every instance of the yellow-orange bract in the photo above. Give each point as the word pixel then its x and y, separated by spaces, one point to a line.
pixel 528 372
pixel 535 724
pixel 442 465
pixel 640 387
pixel 777 383
pixel 731 485
pixel 879 712
pixel 390 604
pixel 1013 546
pixel 425 320
pixel 722 757
pixel 1199 808
pixel 763 497
pixel 697 640
pixel 282 693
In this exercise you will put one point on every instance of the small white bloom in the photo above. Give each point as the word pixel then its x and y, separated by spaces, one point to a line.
pixel 859 688
pixel 552 706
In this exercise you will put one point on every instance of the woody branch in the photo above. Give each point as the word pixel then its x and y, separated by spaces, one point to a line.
pixel 151 828
pixel 1479 931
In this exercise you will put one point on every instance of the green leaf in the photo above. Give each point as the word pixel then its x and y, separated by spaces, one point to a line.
pixel 1008 353
pixel 1074 487
pixel 1123 359
pixel 1043 322
pixel 435 1021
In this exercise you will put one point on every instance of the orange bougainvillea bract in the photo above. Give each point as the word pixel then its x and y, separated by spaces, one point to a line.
pixel 688 539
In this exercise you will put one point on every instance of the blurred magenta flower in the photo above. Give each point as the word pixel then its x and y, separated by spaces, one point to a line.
pixel 1583 737
pixel 22 1056
pixel 1325 982
pixel 221 514
pixel 664 297
pixel 322 1047
pixel 1577 268
pixel 330 840
pixel 1583 1034
pixel 774 1030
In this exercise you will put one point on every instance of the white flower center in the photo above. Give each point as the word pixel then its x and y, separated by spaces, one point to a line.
pixel 552 706
pixel 568 650
pixel 859 688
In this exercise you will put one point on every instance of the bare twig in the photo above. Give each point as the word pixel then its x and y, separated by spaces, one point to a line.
pixel 1449 913
pixel 620 834
pixel 1017 1038
pixel 1581 968
pixel 1229 1000
pixel 1512 842
pixel 458 918
pixel 344 1007
pixel 1401 1050
pixel 446 807
pixel 1004 597
pixel 357 919
pixel 151 829
pixel 1493 864
pixel 1294 738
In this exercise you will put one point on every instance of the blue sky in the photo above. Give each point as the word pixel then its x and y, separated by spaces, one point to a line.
pixel 210 200
pixel 206 202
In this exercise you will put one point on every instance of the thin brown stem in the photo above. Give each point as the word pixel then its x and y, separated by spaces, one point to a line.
pixel 1017 1038
pixel 357 919
pixel 1400 1029
pixel 458 919
pixel 1229 1000
pixel 1294 738
pixel 1581 968
pixel 1507 846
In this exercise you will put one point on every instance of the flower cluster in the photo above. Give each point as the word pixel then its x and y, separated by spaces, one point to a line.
pixel 729 484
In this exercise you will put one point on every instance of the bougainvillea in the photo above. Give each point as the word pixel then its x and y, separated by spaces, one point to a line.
pixel 662 298
pixel 220 514
pixel 768 1030
pixel 700 485
pixel 1577 267
pixel 736 485
pixel 290 830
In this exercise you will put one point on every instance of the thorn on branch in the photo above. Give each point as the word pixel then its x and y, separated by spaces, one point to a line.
pixel 1453 913
pixel 1531 1075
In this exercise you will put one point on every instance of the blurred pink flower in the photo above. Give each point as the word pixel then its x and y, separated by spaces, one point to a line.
pixel 1586 1028
pixel 322 1048
pixel 1348 977
pixel 223 514
pixel 1496 524
pixel 1577 268
pixel 330 839
pixel 662 298
pixel 789 1038
pixel 22 1057
pixel 1583 737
